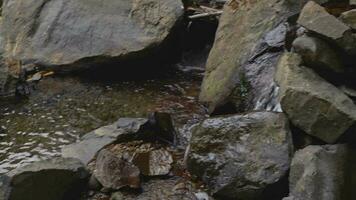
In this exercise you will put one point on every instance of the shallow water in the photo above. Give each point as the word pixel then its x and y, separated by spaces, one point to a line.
pixel 61 109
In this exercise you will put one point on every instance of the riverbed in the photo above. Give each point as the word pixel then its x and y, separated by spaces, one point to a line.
pixel 62 108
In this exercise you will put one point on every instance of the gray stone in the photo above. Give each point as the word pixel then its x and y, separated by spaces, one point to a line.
pixel 311 103
pixel 315 18
pixel 80 32
pixel 318 54
pixel 242 156
pixel 93 142
pixel 323 172
pixel 349 18
pixel 115 172
pixel 242 62
pixel 56 179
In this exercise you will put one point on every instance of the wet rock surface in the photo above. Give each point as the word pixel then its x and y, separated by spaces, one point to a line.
pixel 87 31
pixel 55 179
pixel 242 156
pixel 61 109
pixel 244 72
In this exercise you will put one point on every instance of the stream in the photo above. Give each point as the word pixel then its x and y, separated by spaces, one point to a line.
pixel 62 108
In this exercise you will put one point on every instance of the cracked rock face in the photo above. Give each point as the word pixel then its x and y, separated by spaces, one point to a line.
pixel 242 156
pixel 67 32
pixel 311 103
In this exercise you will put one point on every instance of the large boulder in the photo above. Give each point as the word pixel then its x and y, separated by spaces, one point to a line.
pixel 323 172
pixel 311 103
pixel 242 156
pixel 56 179
pixel 241 65
pixel 75 32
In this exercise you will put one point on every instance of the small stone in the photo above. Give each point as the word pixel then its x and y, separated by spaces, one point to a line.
pixel 114 172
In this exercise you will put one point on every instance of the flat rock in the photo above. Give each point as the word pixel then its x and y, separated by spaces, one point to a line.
pixel 311 103
pixel 242 156
pixel 93 142
pixel 315 18
pixel 56 179
pixel 80 32
pixel 323 172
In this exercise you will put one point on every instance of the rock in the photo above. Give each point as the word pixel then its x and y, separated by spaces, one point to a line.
pixel 117 196
pixel 350 92
pixel 68 34
pixel 241 65
pixel 352 2
pixel 115 172
pixel 154 163
pixel 323 172
pixel 349 18
pixel 242 156
pixel 157 189
pixel 318 54
pixel 311 103
pixel 56 179
pixel 93 142
pixel 94 184
pixel 315 18
pixel 163 124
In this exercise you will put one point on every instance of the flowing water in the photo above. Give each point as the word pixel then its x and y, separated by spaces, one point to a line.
pixel 62 108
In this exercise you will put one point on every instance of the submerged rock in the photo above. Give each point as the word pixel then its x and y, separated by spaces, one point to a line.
pixel 323 172
pixel 311 103
pixel 78 33
pixel 115 172
pixel 242 156
pixel 56 179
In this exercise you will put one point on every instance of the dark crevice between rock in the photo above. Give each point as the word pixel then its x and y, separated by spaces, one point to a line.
pixel 302 139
